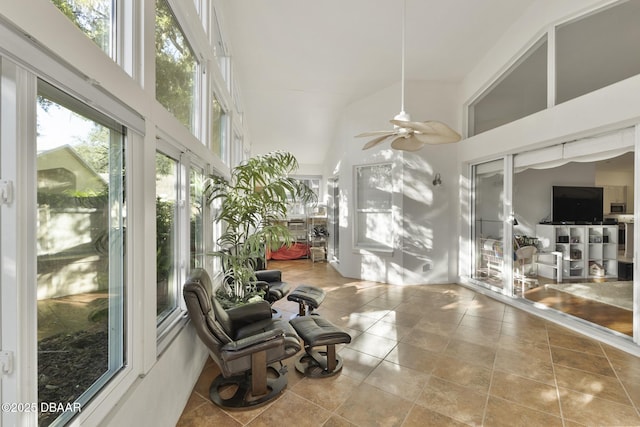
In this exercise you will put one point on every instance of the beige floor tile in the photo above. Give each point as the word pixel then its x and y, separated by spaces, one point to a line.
pixel 402 319
pixel 583 361
pixel 481 323
pixel 420 416
pixel 338 421
pixel 453 400
pixel 426 340
pixel 389 330
pixel 527 348
pixel 463 373
pixel 370 406
pixel 483 337
pixel 589 410
pixel 504 413
pixel 444 327
pixel 291 408
pixel 526 392
pixel 207 414
pixel 413 357
pixel 356 364
pixel 566 339
pixel 529 332
pixel 601 386
pixel 521 364
pixel 404 382
pixel 372 345
pixel 470 352
pixel 328 393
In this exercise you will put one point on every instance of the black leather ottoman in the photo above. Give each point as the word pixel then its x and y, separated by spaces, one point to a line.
pixel 316 331
pixel 308 298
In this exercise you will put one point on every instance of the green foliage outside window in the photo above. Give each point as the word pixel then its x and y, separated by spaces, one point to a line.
pixel 175 67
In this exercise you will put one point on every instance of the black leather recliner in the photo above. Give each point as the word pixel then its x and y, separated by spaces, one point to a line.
pixel 275 288
pixel 245 342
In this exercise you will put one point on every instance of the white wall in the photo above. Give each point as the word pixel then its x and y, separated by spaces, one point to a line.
pixel 158 398
pixel 426 214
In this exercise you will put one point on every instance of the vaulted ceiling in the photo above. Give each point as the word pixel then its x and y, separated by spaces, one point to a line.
pixel 299 63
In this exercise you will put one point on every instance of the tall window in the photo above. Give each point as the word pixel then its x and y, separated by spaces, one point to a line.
pixel 176 68
pixel 196 218
pixel 94 18
pixel 218 129
pixel 80 250
pixel 374 207
pixel 220 50
pixel 167 202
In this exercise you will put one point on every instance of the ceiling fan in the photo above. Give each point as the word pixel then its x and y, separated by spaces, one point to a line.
pixel 410 135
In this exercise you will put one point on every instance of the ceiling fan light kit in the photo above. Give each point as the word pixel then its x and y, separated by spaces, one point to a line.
pixel 410 135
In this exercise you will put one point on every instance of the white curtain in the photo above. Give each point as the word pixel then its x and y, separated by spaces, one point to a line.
pixel 591 149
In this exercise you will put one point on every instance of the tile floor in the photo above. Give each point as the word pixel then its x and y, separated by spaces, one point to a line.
pixel 439 355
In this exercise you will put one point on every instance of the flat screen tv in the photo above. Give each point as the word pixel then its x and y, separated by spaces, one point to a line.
pixel 577 204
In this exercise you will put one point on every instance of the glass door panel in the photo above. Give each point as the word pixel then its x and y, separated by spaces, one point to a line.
pixel 488 223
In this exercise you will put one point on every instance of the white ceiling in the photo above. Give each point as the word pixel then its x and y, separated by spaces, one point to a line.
pixel 298 63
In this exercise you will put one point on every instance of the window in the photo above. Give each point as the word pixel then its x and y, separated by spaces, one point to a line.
pixel 521 91
pixel 176 68
pixel 196 218
pixel 597 50
pixel 166 235
pixel 220 51
pixel 374 207
pixel 80 250
pixel 218 129
pixel 94 18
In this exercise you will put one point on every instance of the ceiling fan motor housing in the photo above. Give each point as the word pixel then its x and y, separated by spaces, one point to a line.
pixel 401 131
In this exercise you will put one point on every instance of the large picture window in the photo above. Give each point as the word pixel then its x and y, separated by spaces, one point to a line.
pixel 374 207
pixel 94 18
pixel 597 50
pixel 167 175
pixel 176 68
pixel 521 91
pixel 80 250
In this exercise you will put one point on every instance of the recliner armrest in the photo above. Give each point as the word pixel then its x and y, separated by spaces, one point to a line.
pixel 249 313
pixel 269 275
pixel 253 344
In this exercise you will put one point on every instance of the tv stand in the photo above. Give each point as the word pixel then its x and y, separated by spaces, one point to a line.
pixel 588 251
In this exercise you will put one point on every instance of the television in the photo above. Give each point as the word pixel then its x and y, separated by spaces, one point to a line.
pixel 577 204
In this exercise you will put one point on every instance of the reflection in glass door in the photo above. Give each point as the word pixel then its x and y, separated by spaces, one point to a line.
pixel 488 223
pixel 334 219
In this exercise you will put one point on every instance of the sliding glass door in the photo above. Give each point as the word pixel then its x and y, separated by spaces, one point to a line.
pixel 573 264
pixel 488 220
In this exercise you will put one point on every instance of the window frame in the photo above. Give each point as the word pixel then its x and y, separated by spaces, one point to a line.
pixel 196 116
pixel 169 325
pixel 358 245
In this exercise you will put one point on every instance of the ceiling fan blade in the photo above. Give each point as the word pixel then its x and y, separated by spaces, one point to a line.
pixel 376 141
pixel 433 139
pixel 410 143
pixel 376 133
pixel 430 128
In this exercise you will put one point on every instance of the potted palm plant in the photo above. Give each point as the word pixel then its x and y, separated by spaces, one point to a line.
pixel 253 204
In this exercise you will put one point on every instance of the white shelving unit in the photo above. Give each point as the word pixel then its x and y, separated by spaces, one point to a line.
pixel 588 251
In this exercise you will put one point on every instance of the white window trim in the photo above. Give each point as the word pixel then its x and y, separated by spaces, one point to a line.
pixel 365 249
pixel 169 328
